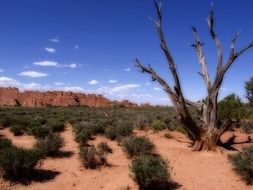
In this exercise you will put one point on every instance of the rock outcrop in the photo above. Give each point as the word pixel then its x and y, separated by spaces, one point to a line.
pixel 13 97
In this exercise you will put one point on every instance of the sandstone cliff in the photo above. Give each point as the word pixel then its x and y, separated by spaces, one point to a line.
pixel 13 97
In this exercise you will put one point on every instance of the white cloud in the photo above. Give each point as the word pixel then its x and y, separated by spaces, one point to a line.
pixel 127 69
pixel 147 84
pixel 46 63
pixel 33 74
pixel 8 82
pixel 70 88
pixel 58 83
pixel 118 89
pixel 55 40
pixel 93 82
pixel 112 81
pixel 73 65
pixel 76 46
pixel 55 64
pixel 157 89
pixel 1 70
pixel 50 50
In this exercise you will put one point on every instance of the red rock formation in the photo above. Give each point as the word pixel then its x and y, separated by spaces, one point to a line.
pixel 12 97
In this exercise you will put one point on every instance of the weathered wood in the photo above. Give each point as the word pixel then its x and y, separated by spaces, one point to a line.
pixel 207 136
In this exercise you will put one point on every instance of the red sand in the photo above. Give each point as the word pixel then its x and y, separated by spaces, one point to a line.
pixel 192 170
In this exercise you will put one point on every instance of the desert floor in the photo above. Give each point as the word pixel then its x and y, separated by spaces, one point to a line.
pixel 191 170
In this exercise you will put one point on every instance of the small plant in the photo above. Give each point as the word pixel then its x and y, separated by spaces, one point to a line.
pixel 247 127
pixel 104 147
pixel 83 136
pixel 118 130
pixel 150 172
pixel 136 146
pixel 243 164
pixel 91 157
pixel 168 136
pixel 141 123
pixel 55 126
pixel 4 143
pixel 18 162
pixel 158 125
pixel 17 130
pixel 40 131
pixel 50 145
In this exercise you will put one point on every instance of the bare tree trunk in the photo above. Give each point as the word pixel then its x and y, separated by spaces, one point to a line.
pixel 207 136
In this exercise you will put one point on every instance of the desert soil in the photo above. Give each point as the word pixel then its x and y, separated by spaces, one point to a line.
pixel 191 170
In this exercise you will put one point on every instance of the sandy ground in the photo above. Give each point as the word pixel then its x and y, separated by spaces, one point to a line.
pixel 192 170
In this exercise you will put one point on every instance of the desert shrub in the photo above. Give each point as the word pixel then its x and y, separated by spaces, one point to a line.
pixel 247 126
pixel 18 162
pixel 104 147
pixel 231 107
pixel 91 157
pixel 83 136
pixel 150 172
pixel 118 130
pixel 243 164
pixel 158 125
pixel 179 128
pixel 50 145
pixel 40 131
pixel 5 143
pixel 135 146
pixel 168 136
pixel 54 125
pixel 141 123
pixel 17 130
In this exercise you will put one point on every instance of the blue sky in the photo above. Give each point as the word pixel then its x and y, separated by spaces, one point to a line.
pixel 90 45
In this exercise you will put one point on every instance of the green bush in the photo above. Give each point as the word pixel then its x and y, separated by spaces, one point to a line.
pixel 92 158
pixel 50 145
pixel 55 126
pixel 83 136
pixel 18 162
pixel 243 164
pixel 247 126
pixel 136 146
pixel 141 123
pixel 158 125
pixel 104 147
pixel 118 130
pixel 5 143
pixel 17 130
pixel 232 107
pixel 168 136
pixel 150 172
pixel 40 131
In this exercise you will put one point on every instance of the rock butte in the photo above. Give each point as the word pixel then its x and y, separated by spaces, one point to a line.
pixel 13 97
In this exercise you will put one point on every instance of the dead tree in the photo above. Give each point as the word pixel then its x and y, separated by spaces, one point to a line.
pixel 207 135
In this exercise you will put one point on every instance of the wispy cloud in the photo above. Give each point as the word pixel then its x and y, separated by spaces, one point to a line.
pixel 7 81
pixel 55 64
pixel 118 88
pixel 55 40
pixel 147 84
pixel 46 63
pixel 157 89
pixel 50 50
pixel 58 83
pixel 93 82
pixel 112 81
pixel 33 74
pixel 127 69
pixel 76 46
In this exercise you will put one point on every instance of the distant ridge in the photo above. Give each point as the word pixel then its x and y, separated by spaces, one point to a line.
pixel 13 97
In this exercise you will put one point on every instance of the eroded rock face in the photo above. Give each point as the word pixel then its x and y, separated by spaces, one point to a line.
pixel 12 97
